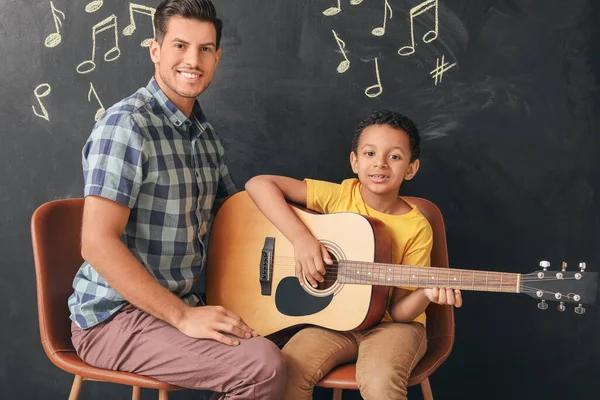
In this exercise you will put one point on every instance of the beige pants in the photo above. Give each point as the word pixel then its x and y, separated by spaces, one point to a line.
pixel 385 356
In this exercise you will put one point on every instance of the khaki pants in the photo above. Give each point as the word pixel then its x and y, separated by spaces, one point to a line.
pixel 134 341
pixel 385 356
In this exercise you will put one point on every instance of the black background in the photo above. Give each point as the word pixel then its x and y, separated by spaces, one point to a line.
pixel 509 154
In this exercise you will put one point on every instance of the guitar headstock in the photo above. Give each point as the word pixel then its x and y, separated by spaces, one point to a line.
pixel 579 287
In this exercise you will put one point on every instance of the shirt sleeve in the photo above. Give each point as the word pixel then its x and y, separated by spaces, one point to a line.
pixel 113 160
pixel 226 186
pixel 418 249
pixel 322 196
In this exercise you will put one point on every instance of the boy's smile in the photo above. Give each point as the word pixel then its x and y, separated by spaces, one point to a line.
pixel 382 162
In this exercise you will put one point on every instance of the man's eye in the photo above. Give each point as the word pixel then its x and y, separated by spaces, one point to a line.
pixel 206 49
pixel 179 46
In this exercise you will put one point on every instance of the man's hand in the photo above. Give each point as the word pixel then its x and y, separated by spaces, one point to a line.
pixel 310 255
pixel 211 322
pixel 451 297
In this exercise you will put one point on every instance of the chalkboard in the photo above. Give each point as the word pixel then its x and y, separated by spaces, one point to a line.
pixel 505 94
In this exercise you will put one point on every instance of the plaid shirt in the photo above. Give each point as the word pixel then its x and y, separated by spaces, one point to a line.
pixel 168 169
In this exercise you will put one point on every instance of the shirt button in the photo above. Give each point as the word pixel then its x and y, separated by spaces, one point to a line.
pixel 187 122
pixel 177 123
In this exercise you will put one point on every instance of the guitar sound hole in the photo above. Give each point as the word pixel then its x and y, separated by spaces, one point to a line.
pixel 330 274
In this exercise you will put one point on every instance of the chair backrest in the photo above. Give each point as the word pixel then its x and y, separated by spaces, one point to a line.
pixel 440 319
pixel 56 239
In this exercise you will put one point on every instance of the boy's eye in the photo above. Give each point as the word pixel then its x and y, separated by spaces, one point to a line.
pixel 369 153
pixel 394 157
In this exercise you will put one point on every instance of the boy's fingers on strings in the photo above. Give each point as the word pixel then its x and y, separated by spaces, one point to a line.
pixel 458 302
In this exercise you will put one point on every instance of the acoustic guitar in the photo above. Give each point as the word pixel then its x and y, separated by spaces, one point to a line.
pixel 251 271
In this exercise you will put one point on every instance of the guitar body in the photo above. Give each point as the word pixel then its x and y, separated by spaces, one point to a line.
pixel 233 277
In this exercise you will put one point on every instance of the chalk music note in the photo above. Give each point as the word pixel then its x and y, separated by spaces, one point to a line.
pixel 377 86
pixel 380 31
pixel 101 110
pixel 333 10
pixel 54 39
pixel 111 55
pixel 430 35
pixel 93 6
pixel 45 91
pixel 144 10
pixel 440 68
pixel 355 2
pixel 345 64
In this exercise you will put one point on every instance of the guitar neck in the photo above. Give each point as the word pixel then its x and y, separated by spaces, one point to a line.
pixel 367 273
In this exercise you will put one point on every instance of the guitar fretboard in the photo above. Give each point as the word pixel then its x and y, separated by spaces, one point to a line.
pixel 366 273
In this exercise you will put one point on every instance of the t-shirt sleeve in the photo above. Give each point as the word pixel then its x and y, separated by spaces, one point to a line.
pixel 113 160
pixel 418 249
pixel 322 196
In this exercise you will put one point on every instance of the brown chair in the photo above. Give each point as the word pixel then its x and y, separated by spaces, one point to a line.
pixel 440 321
pixel 56 237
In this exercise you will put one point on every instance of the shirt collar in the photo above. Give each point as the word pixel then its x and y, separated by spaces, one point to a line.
pixel 170 109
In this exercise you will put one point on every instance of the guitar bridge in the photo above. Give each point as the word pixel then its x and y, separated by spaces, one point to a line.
pixel 266 266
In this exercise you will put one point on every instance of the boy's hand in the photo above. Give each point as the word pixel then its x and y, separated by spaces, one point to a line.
pixel 310 254
pixel 447 296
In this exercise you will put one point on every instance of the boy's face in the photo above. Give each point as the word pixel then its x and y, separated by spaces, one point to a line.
pixel 382 159
pixel 187 59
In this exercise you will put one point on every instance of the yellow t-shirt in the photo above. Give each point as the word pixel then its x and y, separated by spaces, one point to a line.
pixel 411 234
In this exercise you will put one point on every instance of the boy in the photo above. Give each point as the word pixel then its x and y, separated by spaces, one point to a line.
pixel 385 152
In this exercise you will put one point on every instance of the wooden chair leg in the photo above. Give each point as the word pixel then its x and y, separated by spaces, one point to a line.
pixel 426 390
pixel 163 395
pixel 337 394
pixel 136 394
pixel 76 388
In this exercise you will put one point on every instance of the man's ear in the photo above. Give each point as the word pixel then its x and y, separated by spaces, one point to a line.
pixel 412 170
pixel 154 51
pixel 354 162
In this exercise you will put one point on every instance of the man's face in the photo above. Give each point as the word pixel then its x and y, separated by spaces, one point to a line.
pixel 186 60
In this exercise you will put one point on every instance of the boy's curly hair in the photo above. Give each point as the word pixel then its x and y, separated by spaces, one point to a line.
pixel 395 120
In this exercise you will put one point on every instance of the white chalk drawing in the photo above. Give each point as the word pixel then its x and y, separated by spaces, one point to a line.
pixel 144 10
pixel 440 69
pixel 54 39
pixel 380 30
pixel 41 90
pixel 100 110
pixel 111 55
pixel 377 87
pixel 344 64
pixel 93 6
pixel 355 2
pixel 333 10
pixel 430 35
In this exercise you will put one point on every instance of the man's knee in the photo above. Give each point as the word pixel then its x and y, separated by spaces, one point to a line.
pixel 270 365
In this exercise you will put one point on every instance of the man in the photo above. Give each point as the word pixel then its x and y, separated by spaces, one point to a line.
pixel 153 168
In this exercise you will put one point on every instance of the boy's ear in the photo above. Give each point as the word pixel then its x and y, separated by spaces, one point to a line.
pixel 354 162
pixel 412 170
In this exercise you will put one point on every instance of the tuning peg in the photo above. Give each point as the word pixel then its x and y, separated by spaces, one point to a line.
pixel 582 266
pixel 579 309
pixel 564 266
pixel 542 305
pixel 561 307
pixel 544 265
